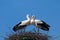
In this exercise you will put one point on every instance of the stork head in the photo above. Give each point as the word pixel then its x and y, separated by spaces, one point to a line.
pixel 28 17
pixel 33 17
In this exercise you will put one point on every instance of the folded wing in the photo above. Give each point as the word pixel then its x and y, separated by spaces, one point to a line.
pixel 21 25
pixel 42 25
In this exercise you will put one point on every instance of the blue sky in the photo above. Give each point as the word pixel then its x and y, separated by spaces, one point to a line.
pixel 14 11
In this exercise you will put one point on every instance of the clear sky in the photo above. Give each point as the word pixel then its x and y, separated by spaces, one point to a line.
pixel 14 11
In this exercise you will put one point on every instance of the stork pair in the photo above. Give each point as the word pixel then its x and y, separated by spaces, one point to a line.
pixel 38 23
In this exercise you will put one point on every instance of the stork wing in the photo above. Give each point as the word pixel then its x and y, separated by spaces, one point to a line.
pixel 21 25
pixel 41 24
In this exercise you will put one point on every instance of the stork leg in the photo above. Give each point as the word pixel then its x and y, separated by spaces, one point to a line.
pixel 38 30
pixel 24 30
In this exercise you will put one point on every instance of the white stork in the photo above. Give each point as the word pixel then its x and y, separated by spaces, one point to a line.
pixel 22 24
pixel 38 23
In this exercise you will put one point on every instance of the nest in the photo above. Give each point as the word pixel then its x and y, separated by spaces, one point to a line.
pixel 27 36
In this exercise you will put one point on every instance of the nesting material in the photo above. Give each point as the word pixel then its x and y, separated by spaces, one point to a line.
pixel 27 36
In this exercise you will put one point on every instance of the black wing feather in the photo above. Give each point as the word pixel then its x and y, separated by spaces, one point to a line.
pixel 17 27
pixel 44 26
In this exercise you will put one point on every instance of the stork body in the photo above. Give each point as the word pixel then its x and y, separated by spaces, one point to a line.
pixel 22 24
pixel 40 24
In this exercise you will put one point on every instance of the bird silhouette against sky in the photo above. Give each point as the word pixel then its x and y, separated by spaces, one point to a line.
pixel 31 21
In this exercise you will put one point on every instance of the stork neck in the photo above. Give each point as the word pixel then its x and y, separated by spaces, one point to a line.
pixel 32 21
pixel 28 18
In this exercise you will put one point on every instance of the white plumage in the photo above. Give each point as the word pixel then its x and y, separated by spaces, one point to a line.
pixel 38 23
pixel 22 24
